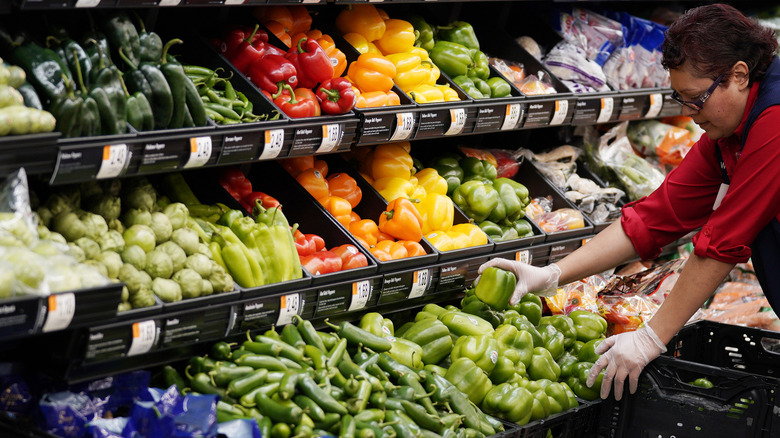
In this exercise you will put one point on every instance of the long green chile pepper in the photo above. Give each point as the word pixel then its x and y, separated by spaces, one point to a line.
pixel 287 351
pixel 357 336
pixel 308 333
pixel 291 336
pixel 309 387
pixel 223 374
pixel 310 407
pixel 243 385
pixel 424 399
pixel 268 389
pixel 260 361
pixel 337 353
pixel 288 383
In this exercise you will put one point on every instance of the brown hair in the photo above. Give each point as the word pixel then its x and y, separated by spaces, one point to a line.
pixel 714 38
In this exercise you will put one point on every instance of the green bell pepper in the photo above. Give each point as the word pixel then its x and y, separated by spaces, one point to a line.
pixel 504 371
pixel 531 307
pixel 559 397
pixel 434 338
pixel 465 375
pixel 541 405
pixel 499 87
pixel 588 351
pixel 588 325
pixel 450 170
pixel 567 362
pixel 514 196
pixel 523 227
pixel 578 378
pixel 514 344
pixel 468 86
pixel 472 305
pixel 407 353
pixel 563 324
pixel 552 340
pixel 481 85
pixel 423 32
pixel 495 287
pixel 476 199
pixel 377 324
pixel 473 166
pixel 510 402
pixel 507 233
pixel 483 350
pixel 480 69
pixel 453 59
pixel 522 323
pixel 543 366
pixel 459 32
pixel 463 324
pixel 492 229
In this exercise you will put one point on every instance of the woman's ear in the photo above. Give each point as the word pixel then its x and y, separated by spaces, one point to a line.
pixel 740 74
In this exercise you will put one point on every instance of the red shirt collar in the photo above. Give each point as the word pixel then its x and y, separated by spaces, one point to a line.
pixel 750 102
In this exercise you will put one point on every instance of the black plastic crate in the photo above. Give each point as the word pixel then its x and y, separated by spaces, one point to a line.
pixel 746 349
pixel 666 404
pixel 577 422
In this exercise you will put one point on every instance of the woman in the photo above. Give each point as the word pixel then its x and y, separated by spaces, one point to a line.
pixel 725 73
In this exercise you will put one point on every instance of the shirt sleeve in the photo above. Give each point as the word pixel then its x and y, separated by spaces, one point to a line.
pixel 753 198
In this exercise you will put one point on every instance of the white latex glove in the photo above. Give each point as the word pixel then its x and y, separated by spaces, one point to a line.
pixel 624 355
pixel 540 281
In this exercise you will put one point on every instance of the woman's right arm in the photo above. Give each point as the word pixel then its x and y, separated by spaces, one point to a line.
pixel 606 250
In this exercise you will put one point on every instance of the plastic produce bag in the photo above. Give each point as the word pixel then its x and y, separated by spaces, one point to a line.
pixel 577 295
pixel 596 34
pixel 570 64
pixel 552 221
pixel 653 138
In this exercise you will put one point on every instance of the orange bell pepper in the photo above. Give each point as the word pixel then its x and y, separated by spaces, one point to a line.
pixel 278 13
pixel 322 166
pixel 401 220
pixel 392 98
pixel 296 165
pixel 375 99
pixel 344 186
pixel 365 229
pixel 361 18
pixel 382 13
pixel 395 249
pixel 340 209
pixel 301 19
pixel 362 242
pixel 312 180
pixel 413 249
pixel 360 43
pixel 384 236
pixel 372 72
pixel 280 31
pixel 337 57
pixel 391 159
pixel 398 37
pixel 382 256
pixel 354 217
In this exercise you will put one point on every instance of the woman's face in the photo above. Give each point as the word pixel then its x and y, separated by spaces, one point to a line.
pixel 722 111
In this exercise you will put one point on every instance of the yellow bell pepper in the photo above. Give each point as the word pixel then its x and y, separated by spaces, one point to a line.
pixel 419 192
pixel 372 72
pixel 391 159
pixel 429 92
pixel 419 98
pixel 405 145
pixel 450 95
pixel 419 51
pixel 437 212
pixel 459 239
pixel 430 179
pixel 409 70
pixel 475 234
pixel 361 18
pixel 393 187
pixel 440 240
pixel 435 73
pixel 360 43
pixel 398 37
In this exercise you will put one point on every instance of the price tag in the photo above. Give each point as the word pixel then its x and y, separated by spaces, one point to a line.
pixel 511 117
pixel 561 109
pixel 274 139
pixel 144 337
pixel 62 307
pixel 360 293
pixel 523 256
pixel 607 105
pixel 234 2
pixel 289 306
pixel 457 121
pixel 200 152
pixel 331 137
pixel 87 3
pixel 115 158
pixel 656 103
pixel 420 283
pixel 403 127
pixel 168 2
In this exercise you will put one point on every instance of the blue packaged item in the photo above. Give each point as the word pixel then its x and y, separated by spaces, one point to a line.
pixel 66 414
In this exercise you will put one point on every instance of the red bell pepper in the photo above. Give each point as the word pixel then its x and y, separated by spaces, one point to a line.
pixel 319 242
pixel 298 103
pixel 246 54
pixel 311 61
pixel 303 245
pixel 267 201
pixel 351 257
pixel 336 96
pixel 236 180
pixel 238 34
pixel 272 72
pixel 321 262
pixel 271 49
pixel 234 194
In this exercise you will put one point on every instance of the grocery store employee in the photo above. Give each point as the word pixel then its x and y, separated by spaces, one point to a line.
pixel 725 73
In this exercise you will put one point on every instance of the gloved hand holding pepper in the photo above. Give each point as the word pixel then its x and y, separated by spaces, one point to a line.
pixel 540 281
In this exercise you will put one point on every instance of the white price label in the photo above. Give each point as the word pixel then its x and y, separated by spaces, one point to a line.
pixel 360 292
pixel 200 152
pixel 115 159
pixel 62 307
pixel 234 2
pixel 331 138
pixel 656 103
pixel 607 106
pixel 274 139
pixel 561 109
pixel 523 256
pixel 87 3
pixel 144 337
pixel 457 121
pixel 420 283
pixel 512 116
pixel 168 2
pixel 289 306
pixel 403 127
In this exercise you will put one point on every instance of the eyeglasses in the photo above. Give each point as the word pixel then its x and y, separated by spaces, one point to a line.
pixel 697 104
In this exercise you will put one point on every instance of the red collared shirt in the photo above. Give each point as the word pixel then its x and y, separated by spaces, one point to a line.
pixel 684 201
